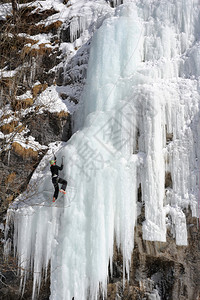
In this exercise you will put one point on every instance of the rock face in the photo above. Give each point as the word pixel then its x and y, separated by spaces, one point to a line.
pixel 30 67
pixel 171 270
pixel 159 270
pixel 32 74
pixel 45 128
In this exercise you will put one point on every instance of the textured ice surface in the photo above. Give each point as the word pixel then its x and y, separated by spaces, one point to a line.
pixel 138 123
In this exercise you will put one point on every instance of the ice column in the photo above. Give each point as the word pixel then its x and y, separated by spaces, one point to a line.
pixel 100 158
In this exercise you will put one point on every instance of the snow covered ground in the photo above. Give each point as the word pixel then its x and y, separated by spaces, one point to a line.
pixel 142 87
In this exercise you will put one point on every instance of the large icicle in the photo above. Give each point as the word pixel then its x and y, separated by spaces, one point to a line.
pixel 102 153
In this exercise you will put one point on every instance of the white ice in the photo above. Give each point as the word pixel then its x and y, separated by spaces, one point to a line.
pixel 138 120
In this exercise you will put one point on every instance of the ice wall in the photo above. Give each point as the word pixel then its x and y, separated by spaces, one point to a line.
pixel 137 124
pixel 170 46
pixel 102 173
pixel 83 18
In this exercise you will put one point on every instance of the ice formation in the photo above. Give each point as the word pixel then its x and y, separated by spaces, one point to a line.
pixel 138 122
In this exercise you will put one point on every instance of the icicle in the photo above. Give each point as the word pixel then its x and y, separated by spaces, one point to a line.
pixel 8 157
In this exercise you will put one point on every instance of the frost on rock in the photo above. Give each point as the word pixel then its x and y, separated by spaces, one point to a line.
pixel 138 122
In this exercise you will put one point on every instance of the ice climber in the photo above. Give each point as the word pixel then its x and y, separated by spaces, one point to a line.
pixel 56 179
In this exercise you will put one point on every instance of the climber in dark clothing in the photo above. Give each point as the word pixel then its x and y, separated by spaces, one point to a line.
pixel 56 180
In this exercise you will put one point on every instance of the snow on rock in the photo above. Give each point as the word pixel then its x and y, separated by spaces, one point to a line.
pixel 5 9
pixel 138 120
pixel 28 142
pixel 27 95
pixel 1 226
pixel 51 100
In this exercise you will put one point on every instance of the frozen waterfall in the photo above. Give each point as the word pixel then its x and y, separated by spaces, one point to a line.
pixel 138 123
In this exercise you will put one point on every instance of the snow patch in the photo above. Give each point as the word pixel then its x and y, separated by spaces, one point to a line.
pixel 51 100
